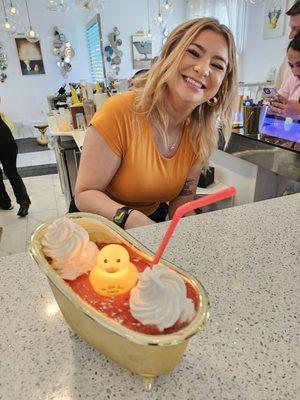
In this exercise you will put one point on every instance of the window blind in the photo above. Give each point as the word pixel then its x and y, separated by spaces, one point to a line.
pixel 94 49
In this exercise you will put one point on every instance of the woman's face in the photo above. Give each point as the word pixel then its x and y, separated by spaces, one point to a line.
pixel 201 71
pixel 294 62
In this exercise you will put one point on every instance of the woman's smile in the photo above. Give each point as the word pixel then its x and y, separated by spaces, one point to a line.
pixel 201 71
pixel 193 83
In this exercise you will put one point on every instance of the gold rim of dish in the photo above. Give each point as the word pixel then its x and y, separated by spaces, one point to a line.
pixel 196 324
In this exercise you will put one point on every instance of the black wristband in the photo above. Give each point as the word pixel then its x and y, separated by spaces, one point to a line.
pixel 121 216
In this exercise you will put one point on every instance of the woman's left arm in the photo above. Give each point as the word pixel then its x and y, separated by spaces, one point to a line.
pixel 188 191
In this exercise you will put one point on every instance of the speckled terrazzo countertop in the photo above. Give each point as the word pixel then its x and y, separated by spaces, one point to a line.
pixel 248 260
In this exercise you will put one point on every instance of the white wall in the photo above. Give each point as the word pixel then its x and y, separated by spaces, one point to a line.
pixel 262 54
pixel 23 98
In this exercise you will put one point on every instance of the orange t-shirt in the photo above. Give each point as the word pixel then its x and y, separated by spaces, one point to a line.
pixel 145 178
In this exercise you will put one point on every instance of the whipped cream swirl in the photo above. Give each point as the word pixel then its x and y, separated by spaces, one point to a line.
pixel 160 298
pixel 69 247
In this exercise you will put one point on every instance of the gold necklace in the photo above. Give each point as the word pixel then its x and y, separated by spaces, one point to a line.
pixel 172 146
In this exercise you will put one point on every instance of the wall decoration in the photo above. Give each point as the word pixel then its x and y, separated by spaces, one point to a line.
pixel 30 57
pixel 274 18
pixel 3 64
pixel 113 54
pixel 63 51
pixel 142 51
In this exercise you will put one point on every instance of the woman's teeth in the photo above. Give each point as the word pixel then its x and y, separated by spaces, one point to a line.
pixel 198 85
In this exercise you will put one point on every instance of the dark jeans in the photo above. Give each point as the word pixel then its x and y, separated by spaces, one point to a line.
pixel 8 159
pixel 159 214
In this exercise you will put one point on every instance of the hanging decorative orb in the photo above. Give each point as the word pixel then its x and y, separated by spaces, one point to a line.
pixel 8 27
pixel 52 5
pixel 13 11
pixel 168 6
pixel 159 18
pixel 31 35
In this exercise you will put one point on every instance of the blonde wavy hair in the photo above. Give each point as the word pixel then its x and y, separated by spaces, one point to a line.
pixel 151 89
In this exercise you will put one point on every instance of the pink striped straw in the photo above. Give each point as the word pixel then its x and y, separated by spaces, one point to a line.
pixel 185 208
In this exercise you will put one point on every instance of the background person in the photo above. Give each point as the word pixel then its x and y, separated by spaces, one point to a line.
pixel 8 159
pixel 284 71
pixel 289 93
pixel 148 146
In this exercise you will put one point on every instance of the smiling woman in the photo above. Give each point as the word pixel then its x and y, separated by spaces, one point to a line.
pixel 147 147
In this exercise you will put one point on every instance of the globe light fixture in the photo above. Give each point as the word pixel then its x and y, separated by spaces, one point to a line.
pixel 7 26
pixel 13 10
pixel 52 5
pixel 149 33
pixel 168 6
pixel 159 18
pixel 30 34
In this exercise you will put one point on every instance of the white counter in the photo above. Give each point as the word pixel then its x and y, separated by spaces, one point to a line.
pixel 247 258
pixel 77 134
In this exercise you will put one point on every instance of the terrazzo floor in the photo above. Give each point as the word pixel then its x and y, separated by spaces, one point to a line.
pixel 47 201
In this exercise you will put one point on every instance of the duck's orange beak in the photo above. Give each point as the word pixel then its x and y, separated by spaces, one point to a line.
pixel 111 269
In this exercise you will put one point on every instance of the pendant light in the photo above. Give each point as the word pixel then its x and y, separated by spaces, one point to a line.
pixel 12 9
pixel 30 34
pixel 168 6
pixel 149 34
pixel 7 25
pixel 52 5
pixel 159 18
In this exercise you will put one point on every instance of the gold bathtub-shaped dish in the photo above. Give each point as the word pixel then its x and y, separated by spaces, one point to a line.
pixel 145 355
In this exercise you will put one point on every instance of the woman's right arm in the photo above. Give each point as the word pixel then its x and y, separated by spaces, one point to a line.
pixel 98 166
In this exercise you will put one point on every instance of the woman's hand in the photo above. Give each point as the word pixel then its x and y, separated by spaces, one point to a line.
pixel 285 108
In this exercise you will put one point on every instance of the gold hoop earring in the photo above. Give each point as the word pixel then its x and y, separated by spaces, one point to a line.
pixel 212 102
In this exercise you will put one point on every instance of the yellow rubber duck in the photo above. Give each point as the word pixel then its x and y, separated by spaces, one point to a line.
pixel 113 274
